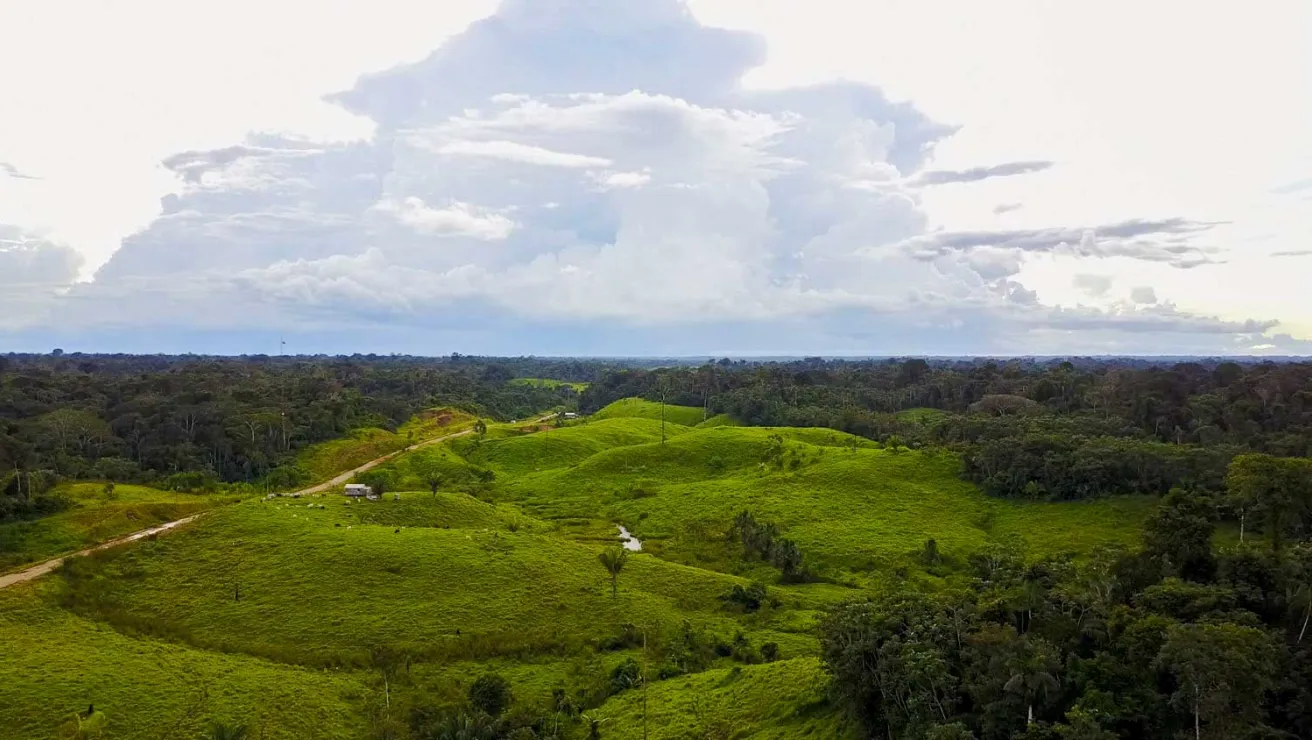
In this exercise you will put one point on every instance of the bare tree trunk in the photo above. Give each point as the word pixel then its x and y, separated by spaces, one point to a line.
pixel 1307 612
pixel 1029 717
pixel 1198 733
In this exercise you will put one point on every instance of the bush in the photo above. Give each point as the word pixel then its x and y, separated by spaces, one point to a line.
pixel 750 598
pixel 191 482
pixel 626 675
pixel 490 693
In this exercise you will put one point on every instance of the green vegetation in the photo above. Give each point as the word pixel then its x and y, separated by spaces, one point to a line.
pixel 323 461
pixel 847 504
pixel 557 448
pixel 769 702
pixel 719 420
pixel 550 383
pixel 56 665
pixel 96 512
pixel 639 409
pixel 1030 551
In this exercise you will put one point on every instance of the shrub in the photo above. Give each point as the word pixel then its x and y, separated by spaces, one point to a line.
pixel 626 675
pixel 490 694
pixel 750 598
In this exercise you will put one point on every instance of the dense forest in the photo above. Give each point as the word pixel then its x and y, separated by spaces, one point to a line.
pixel 1198 633
pixel 147 418
pixel 1042 430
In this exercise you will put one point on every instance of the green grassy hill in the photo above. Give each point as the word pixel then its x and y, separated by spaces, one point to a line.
pixel 325 460
pixel 276 610
pixel 424 590
pixel 95 516
pixel 559 448
pixel 764 702
pixel 55 664
pixel 642 409
pixel 847 504
pixel 719 420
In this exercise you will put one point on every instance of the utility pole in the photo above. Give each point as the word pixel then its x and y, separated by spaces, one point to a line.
pixel 706 393
pixel 282 394
pixel 662 386
pixel 644 684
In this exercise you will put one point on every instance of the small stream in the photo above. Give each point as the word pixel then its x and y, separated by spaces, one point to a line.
pixel 627 540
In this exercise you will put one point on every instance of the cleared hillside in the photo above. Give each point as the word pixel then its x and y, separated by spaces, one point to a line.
pixel 642 409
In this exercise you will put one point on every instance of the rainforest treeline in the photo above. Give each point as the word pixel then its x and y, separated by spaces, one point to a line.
pixel 146 418
pixel 1049 430
pixel 1197 633
pixel 1179 639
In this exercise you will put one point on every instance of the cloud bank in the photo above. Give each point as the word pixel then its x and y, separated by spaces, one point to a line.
pixel 580 176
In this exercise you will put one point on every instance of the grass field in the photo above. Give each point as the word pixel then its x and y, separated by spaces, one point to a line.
pixel 95 516
pixel 557 448
pixel 775 701
pixel 847 503
pixel 550 383
pixel 719 420
pixel 55 664
pixel 275 611
pixel 641 409
pixel 325 460
pixel 423 590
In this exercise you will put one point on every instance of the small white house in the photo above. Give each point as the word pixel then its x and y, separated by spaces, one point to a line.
pixel 359 490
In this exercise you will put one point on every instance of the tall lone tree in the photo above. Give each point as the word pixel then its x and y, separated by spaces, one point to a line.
pixel 1221 672
pixel 613 560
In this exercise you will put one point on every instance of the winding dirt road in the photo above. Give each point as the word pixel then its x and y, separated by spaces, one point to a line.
pixel 344 477
pixel 40 569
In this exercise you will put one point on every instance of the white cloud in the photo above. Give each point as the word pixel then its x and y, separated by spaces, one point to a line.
pixel 1143 295
pixel 34 273
pixel 635 184
pixel 456 219
pixel 522 153
pixel 622 180
pixel 1093 285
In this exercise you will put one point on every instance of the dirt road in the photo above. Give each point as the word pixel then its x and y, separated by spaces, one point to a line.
pixel 344 477
pixel 40 569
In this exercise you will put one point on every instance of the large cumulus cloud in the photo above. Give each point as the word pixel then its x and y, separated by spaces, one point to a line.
pixel 34 273
pixel 572 167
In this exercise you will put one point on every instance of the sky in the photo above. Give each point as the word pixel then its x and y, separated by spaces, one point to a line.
pixel 656 177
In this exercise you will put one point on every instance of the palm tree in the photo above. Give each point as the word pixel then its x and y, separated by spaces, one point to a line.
pixel 594 722
pixel 613 561
pixel 1033 674
pixel 222 731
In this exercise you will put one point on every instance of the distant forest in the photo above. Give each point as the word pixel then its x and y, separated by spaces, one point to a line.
pixel 1037 429
pixel 173 420
pixel 1052 430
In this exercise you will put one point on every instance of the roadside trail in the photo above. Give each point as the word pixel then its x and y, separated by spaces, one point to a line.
pixel 344 477
pixel 40 569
